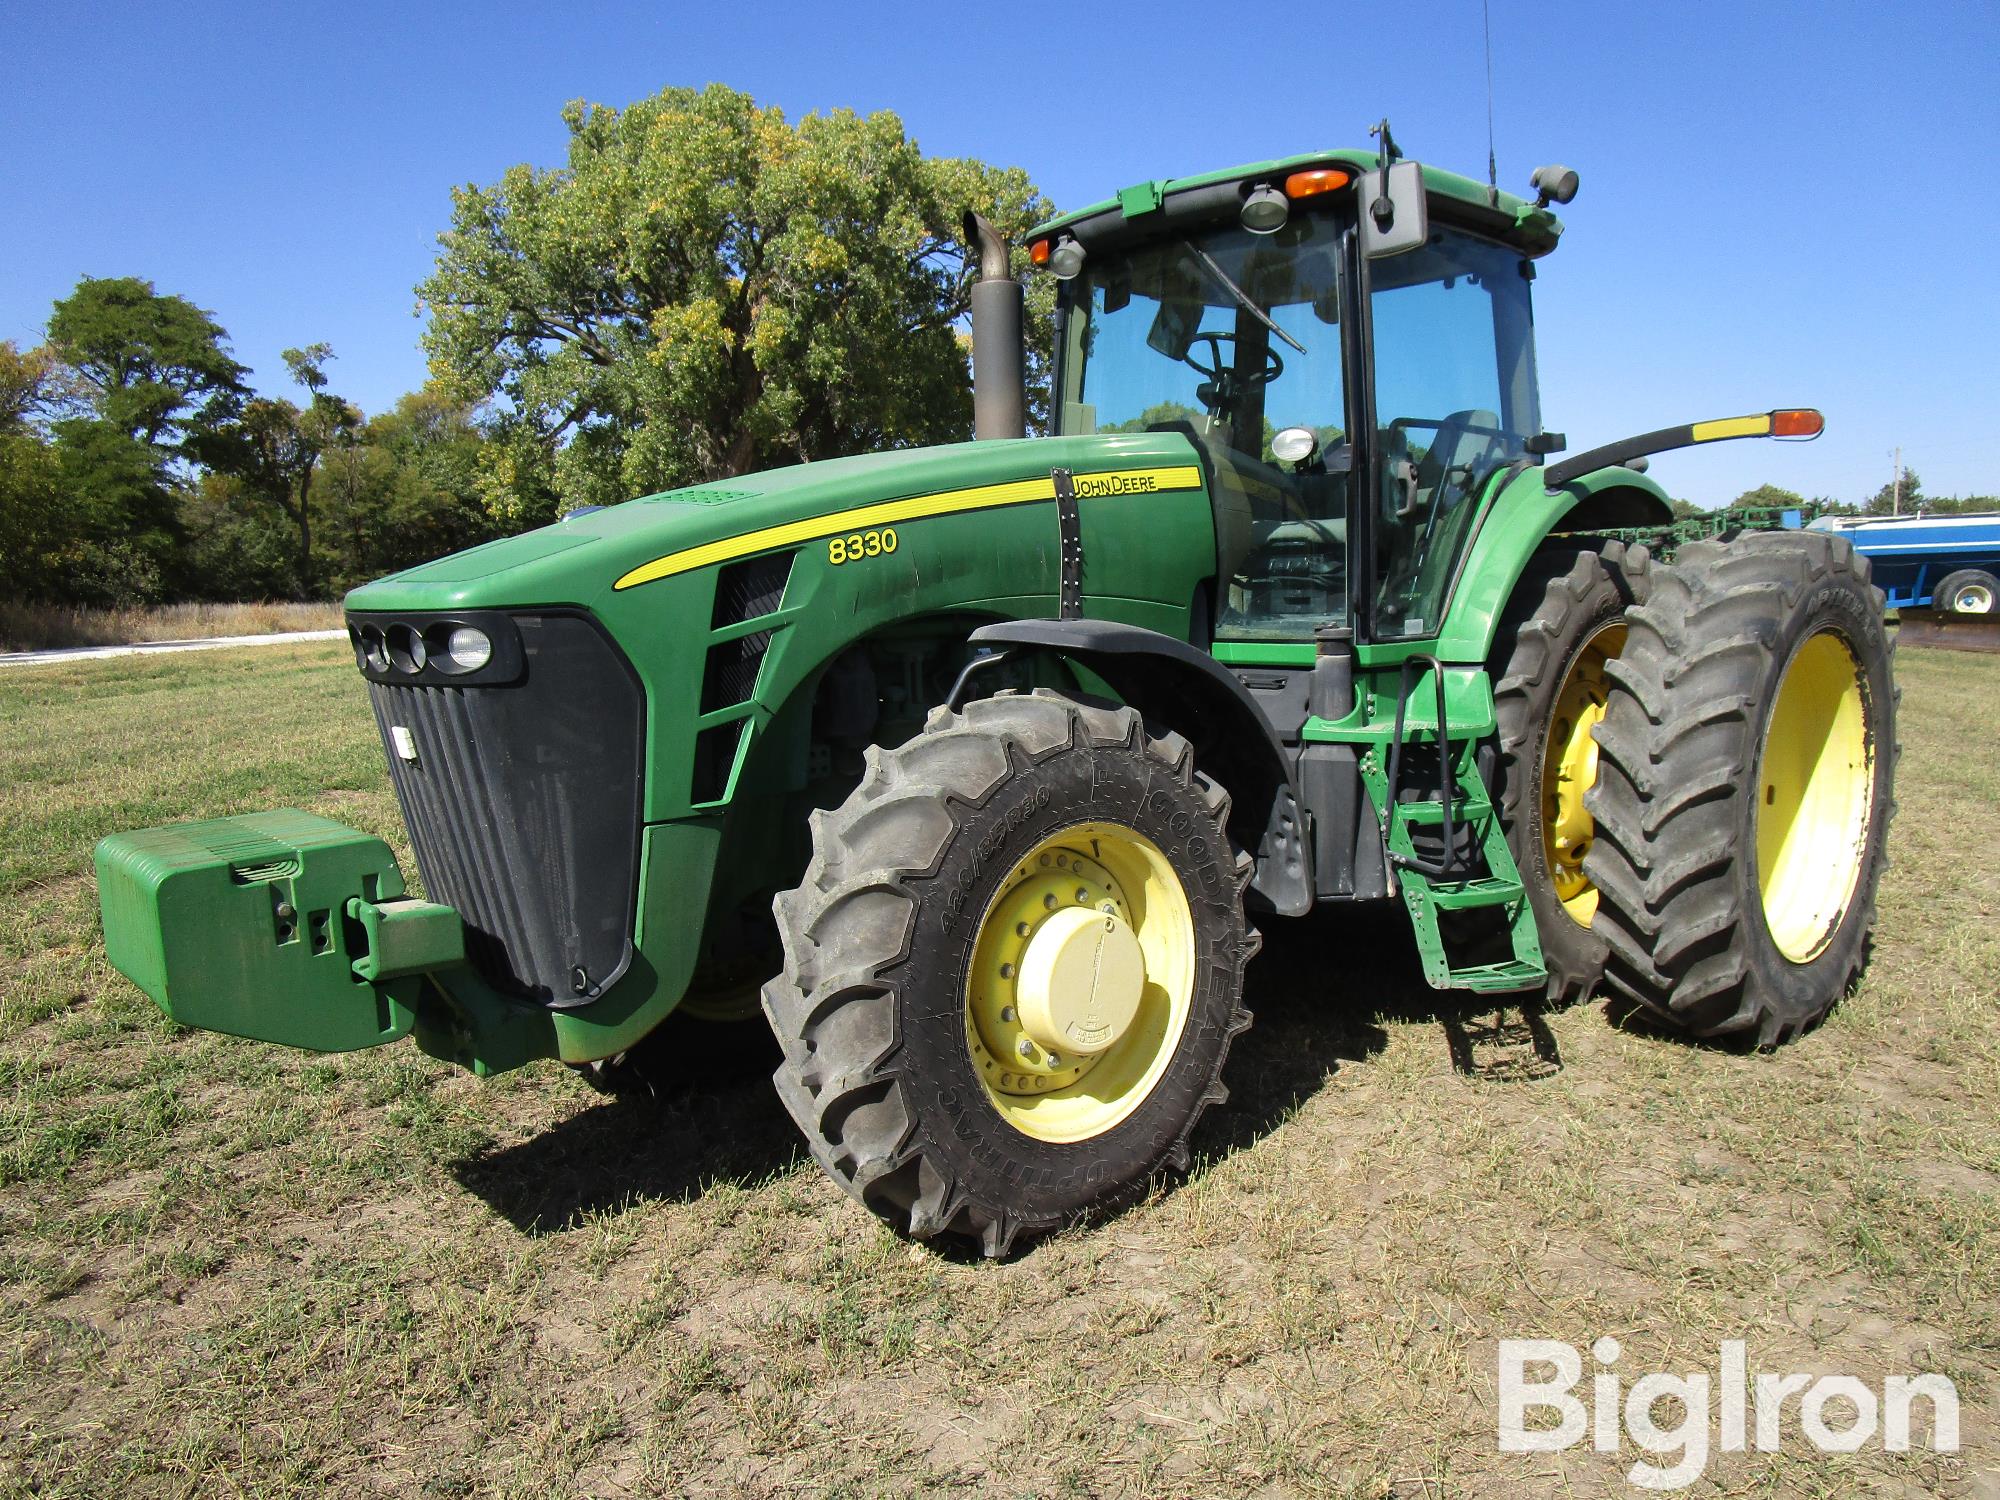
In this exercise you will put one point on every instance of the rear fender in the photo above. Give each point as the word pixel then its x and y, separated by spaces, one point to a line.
pixel 1519 520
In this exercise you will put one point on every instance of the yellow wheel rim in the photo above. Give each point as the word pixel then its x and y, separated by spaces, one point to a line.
pixel 1569 769
pixel 1082 979
pixel 738 1004
pixel 1815 784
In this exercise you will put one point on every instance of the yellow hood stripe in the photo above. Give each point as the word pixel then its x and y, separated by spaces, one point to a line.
pixel 915 508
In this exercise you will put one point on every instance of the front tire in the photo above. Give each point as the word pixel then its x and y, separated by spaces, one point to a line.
pixel 1743 801
pixel 1013 970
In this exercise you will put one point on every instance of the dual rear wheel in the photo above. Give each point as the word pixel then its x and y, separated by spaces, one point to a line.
pixel 1743 799
pixel 1695 775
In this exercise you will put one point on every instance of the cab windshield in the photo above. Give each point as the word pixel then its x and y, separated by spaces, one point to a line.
pixel 1232 337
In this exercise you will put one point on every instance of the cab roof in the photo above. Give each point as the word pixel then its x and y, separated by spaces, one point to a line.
pixel 1505 216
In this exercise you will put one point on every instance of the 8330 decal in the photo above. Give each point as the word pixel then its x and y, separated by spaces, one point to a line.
pixel 859 544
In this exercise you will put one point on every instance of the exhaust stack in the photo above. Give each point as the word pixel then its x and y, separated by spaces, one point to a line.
pixel 998 407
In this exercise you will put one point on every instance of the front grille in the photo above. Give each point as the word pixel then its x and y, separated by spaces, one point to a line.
pixel 523 805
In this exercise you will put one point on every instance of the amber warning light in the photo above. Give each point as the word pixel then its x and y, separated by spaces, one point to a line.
pixel 1312 183
pixel 1797 422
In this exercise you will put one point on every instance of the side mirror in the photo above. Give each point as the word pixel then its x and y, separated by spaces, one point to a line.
pixel 1394 217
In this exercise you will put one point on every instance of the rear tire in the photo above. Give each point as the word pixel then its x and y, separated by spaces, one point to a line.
pixel 1968 594
pixel 1566 617
pixel 1743 800
pixel 899 1057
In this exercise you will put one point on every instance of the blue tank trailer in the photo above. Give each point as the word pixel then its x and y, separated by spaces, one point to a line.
pixel 1949 564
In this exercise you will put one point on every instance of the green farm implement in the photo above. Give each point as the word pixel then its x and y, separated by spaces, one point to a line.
pixel 971 771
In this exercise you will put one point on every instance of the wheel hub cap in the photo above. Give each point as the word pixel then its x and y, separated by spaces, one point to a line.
pixel 1081 982
pixel 1082 975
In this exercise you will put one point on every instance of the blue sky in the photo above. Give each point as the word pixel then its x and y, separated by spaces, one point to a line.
pixel 1781 203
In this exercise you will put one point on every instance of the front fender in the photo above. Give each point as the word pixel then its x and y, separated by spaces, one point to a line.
pixel 1177 687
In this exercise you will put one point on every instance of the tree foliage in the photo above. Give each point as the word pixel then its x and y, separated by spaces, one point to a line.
pixel 274 447
pixel 706 288
pixel 1772 495
pixel 146 365
pixel 27 387
pixel 408 485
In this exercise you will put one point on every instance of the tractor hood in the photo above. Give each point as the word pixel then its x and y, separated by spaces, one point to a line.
pixel 587 559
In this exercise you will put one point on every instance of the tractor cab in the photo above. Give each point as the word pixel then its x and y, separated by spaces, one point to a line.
pixel 1350 394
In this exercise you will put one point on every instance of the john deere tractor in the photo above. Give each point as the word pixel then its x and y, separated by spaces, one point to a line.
pixel 971 769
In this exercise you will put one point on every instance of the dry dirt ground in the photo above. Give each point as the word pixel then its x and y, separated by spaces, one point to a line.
pixel 231 1269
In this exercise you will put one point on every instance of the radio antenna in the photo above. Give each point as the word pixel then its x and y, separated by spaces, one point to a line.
pixel 1492 164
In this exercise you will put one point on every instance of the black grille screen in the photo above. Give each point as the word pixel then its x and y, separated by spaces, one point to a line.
pixel 730 674
pixel 523 808
pixel 744 590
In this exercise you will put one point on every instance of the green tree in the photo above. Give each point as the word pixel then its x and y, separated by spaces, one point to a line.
pixel 1158 414
pixel 1885 501
pixel 237 545
pixel 706 289
pixel 35 527
pixel 274 448
pixel 131 379
pixel 408 488
pixel 146 365
pixel 27 386
pixel 1771 495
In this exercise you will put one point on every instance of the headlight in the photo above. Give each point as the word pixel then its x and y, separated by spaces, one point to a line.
pixel 468 648
pixel 406 649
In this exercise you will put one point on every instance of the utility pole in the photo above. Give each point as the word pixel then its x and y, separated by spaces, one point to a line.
pixel 1896 501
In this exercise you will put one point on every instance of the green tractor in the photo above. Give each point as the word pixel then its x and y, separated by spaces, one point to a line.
pixel 969 769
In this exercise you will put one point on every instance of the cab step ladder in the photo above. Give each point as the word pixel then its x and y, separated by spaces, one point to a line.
pixel 1453 880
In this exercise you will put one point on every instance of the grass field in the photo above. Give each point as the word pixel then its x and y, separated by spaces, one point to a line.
pixel 231 1269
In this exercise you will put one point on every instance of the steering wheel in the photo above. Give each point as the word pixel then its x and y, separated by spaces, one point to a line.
pixel 1214 370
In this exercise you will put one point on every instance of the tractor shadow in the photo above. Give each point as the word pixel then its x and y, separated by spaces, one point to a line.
pixel 1323 992
pixel 690 1131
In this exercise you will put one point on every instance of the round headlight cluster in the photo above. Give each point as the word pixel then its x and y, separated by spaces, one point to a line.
pixel 408 649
